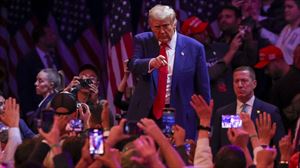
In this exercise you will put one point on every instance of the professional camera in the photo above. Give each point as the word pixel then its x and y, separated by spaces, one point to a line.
pixel 84 83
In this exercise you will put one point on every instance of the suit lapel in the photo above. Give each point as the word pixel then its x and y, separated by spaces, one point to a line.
pixel 232 109
pixel 178 60
pixel 255 109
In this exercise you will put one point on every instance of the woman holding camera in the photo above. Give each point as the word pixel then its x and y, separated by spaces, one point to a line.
pixel 84 87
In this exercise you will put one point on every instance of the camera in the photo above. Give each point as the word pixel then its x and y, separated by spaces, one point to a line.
pixel 96 146
pixel 84 83
pixel 231 121
pixel 131 128
pixel 168 120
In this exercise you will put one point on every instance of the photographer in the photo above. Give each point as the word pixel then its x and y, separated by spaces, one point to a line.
pixel 85 88
pixel 239 36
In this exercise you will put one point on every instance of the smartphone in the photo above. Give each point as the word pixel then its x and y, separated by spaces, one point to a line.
pixel 231 121
pixel 131 128
pixel 96 140
pixel 168 120
pixel 76 125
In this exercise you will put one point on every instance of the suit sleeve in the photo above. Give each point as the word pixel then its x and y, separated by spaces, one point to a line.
pixel 26 132
pixel 202 78
pixel 139 64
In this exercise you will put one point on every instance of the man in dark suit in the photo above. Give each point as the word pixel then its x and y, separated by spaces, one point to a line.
pixel 244 84
pixel 42 56
pixel 184 60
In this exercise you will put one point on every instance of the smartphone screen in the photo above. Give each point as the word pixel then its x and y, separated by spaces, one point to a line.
pixel 96 141
pixel 131 128
pixel 76 125
pixel 168 120
pixel 231 121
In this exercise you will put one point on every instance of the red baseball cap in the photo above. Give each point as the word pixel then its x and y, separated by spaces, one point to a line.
pixel 193 25
pixel 268 54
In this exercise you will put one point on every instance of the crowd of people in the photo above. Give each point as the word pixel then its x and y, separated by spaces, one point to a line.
pixel 231 101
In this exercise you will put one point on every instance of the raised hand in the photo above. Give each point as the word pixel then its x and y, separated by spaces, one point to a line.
pixel 266 128
pixel 203 110
pixel 85 114
pixel 179 135
pixel 236 42
pixel 151 129
pixel 11 115
pixel 94 92
pixel 75 82
pixel 248 124
pixel 145 146
pixel 53 137
pixel 158 62
pixel 117 134
pixel 238 137
pixel 285 147
pixel 105 114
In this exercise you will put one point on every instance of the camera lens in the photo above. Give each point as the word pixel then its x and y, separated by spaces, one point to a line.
pixel 85 82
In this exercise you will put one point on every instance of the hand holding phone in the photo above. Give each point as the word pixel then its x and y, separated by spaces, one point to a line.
pixel 168 120
pixel 131 128
pixel 231 121
pixel 96 146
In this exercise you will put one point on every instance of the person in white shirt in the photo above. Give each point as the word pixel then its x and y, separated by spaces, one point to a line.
pixel 10 117
pixel 289 37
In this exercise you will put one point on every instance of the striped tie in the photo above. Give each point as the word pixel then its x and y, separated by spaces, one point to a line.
pixel 245 108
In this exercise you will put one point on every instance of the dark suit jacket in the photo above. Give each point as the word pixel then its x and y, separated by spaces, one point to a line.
pixel 26 132
pixel 27 70
pixel 189 76
pixel 219 135
pixel 43 114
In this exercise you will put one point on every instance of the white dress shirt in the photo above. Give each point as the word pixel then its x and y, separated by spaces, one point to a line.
pixel 170 50
pixel 171 57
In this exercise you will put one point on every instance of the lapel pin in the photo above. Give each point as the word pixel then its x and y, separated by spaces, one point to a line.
pixel 258 111
pixel 182 53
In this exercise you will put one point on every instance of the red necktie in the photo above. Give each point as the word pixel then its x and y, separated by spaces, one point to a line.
pixel 159 101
